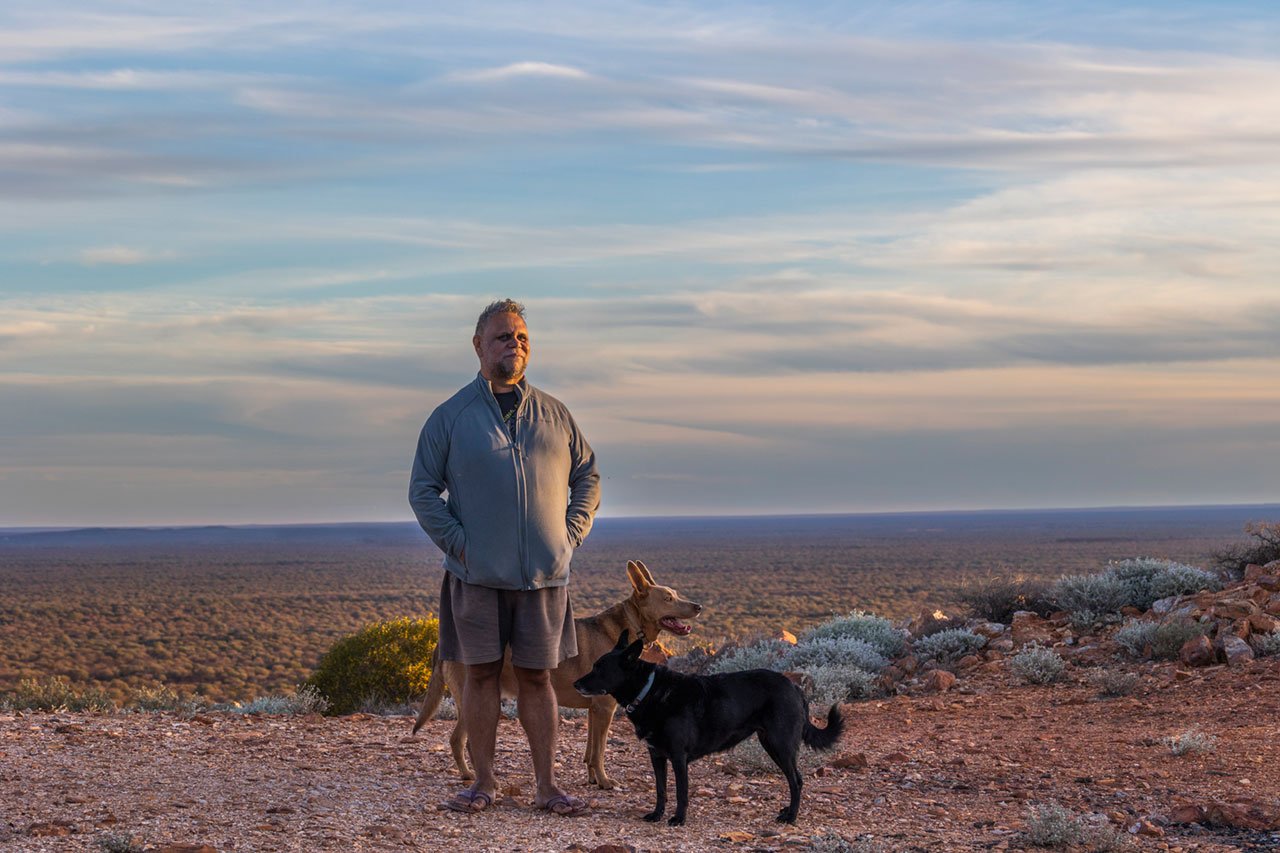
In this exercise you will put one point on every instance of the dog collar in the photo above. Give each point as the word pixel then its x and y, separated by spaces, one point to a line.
pixel 635 703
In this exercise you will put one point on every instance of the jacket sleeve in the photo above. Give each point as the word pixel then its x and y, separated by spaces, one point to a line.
pixel 427 484
pixel 584 486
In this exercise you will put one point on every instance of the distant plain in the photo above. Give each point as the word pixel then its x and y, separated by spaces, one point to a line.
pixel 235 613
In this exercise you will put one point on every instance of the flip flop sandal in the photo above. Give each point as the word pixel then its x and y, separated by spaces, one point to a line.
pixel 465 801
pixel 566 806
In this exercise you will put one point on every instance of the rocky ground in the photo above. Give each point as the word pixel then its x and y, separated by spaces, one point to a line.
pixel 935 765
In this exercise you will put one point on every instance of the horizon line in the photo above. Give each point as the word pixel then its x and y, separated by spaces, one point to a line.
pixel 57 528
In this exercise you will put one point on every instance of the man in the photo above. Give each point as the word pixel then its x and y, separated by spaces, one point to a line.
pixel 522 490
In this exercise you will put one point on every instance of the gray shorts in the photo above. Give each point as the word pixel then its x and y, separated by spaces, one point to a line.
pixel 478 623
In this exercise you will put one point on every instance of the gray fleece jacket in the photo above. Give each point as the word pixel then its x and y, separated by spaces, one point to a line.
pixel 517 507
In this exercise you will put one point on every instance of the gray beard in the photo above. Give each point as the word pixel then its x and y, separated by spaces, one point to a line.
pixel 507 374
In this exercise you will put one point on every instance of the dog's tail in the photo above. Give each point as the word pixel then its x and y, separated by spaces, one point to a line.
pixel 816 738
pixel 435 691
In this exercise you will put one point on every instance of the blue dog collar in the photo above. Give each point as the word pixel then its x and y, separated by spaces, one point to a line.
pixel 635 703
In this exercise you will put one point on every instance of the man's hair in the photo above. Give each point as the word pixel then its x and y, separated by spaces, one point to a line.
pixel 502 306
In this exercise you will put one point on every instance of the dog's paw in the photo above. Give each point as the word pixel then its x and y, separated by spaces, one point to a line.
pixel 786 816
pixel 654 816
pixel 677 819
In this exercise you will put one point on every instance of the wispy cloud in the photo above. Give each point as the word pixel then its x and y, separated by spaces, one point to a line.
pixel 117 256
pixel 517 70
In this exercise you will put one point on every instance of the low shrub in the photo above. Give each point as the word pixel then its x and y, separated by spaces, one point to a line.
pixel 1171 636
pixel 996 599
pixel 119 842
pixel 387 662
pixel 1051 825
pixel 1100 593
pixel 1148 580
pixel 1262 549
pixel 1190 743
pixel 1136 635
pixel 55 694
pixel 832 684
pixel 1139 582
pixel 1113 682
pixel 1037 665
pixel 305 700
pixel 877 631
pixel 1266 645
pixel 949 645
pixel 833 651
pixel 162 698
pixel 762 654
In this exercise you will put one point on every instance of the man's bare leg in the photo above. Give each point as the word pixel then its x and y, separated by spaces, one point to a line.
pixel 540 719
pixel 481 705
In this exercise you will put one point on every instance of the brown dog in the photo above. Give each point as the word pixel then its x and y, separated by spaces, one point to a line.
pixel 649 610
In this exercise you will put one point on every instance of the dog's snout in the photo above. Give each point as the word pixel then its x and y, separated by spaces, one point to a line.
pixel 697 608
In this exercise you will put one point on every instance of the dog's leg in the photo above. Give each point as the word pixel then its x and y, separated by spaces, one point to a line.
pixel 458 743
pixel 659 762
pixel 599 715
pixel 680 768
pixel 783 754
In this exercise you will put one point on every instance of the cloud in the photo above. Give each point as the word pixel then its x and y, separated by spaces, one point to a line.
pixel 117 256
pixel 548 70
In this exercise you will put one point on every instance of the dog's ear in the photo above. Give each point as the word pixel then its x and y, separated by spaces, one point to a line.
pixel 634 650
pixel 644 570
pixel 640 578
pixel 623 641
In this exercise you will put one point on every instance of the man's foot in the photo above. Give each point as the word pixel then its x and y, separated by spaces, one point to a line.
pixel 467 801
pixel 566 806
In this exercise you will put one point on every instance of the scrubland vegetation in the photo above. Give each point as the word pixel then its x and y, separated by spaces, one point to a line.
pixel 128 624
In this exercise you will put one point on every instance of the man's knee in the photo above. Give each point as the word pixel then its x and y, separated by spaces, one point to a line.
pixel 537 679
pixel 484 673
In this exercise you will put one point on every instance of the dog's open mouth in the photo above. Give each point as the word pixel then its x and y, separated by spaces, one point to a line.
pixel 675 626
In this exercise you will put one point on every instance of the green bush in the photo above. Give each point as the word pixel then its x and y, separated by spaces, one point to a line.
pixel 1037 665
pixel 857 625
pixel 55 694
pixel 1149 580
pixel 1113 682
pixel 1139 582
pixel 386 662
pixel 1170 637
pixel 1050 825
pixel 305 700
pixel 1094 594
pixel 1136 635
pixel 949 645
pixel 996 599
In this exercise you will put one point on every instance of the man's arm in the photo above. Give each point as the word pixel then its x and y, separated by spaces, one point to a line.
pixel 584 486
pixel 427 485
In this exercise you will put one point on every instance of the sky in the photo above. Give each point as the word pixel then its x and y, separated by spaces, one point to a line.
pixel 777 257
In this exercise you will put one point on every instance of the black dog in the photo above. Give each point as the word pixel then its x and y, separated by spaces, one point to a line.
pixel 684 717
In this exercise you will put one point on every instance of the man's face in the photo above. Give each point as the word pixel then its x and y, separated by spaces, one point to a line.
pixel 503 348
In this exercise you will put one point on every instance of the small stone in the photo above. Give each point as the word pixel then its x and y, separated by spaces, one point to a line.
pixel 613 848
pixel 1146 828
pixel 1235 650
pixel 896 758
pixel 851 761
pixel 1187 814
pixel 939 681
pixel 1197 652
pixel 737 836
